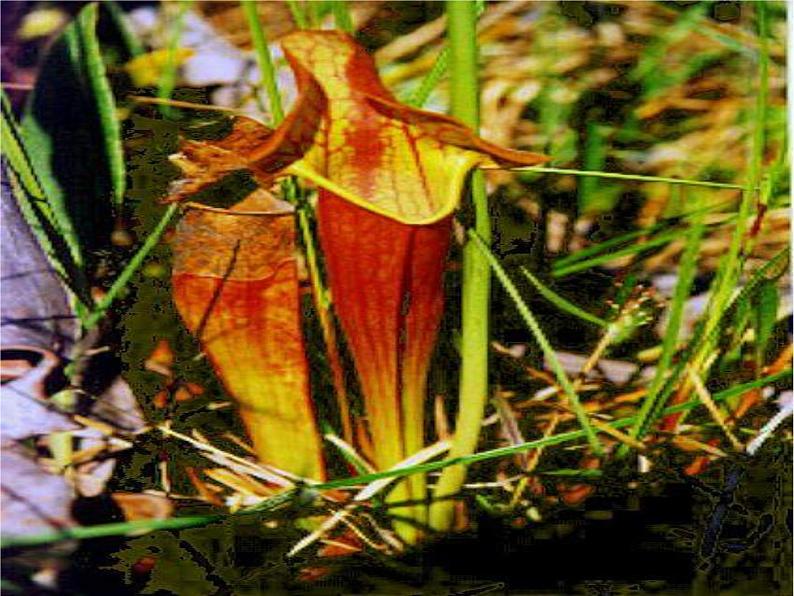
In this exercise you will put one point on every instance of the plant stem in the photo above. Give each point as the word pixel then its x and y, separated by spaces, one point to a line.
pixel 635 177
pixel 732 263
pixel 298 14
pixel 567 387
pixel 476 292
pixel 264 60
pixel 168 77
pixel 342 16
pixel 686 275
pixel 135 262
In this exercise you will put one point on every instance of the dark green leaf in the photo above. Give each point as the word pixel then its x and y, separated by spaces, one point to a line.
pixel 72 135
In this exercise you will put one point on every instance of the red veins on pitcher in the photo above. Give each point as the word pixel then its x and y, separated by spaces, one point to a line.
pixel 235 284
pixel 389 178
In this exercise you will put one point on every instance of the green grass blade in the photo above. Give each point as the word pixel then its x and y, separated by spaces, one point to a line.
pixel 120 283
pixel 94 68
pixel 731 265
pixel 686 275
pixel 431 80
pixel 132 44
pixel 561 303
pixel 634 177
pixel 114 529
pixel 342 15
pixel 762 96
pixel 772 269
pixel 601 247
pixel 543 342
pixel 264 60
pixel 558 439
pixel 167 83
pixel 298 14
pixel 659 240
pixel 621 239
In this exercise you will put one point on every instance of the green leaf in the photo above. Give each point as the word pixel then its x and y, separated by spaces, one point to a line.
pixel 767 302
pixel 96 76
pixel 686 276
pixel 132 44
pixel 73 139
pixel 561 303
pixel 49 226
pixel 135 263
pixel 595 198
pixel 548 351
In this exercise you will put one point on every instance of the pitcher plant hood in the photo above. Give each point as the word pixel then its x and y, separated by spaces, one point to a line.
pixel 348 134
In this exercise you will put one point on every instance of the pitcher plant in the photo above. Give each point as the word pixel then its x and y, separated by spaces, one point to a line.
pixel 389 178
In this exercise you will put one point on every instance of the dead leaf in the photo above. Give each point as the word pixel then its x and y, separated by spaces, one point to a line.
pixel 138 506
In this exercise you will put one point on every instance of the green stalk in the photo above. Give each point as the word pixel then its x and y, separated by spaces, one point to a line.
pixel 298 14
pixel 732 264
pixel 635 177
pixel 342 16
pixel 686 275
pixel 135 263
pixel 548 351
pixel 168 77
pixel 264 60
pixel 476 292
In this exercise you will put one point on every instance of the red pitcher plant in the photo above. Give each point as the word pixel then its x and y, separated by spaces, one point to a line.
pixel 235 284
pixel 389 178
